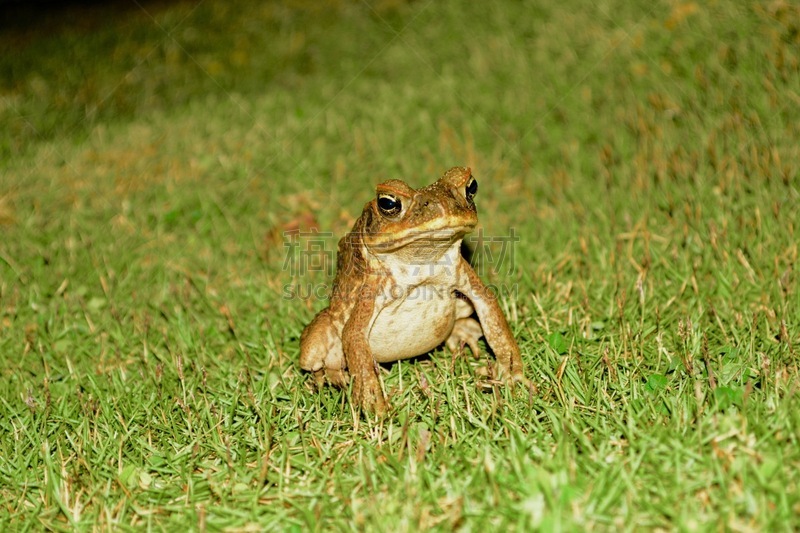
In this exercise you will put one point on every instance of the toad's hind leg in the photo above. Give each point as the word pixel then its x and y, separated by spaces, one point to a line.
pixel 466 330
pixel 321 351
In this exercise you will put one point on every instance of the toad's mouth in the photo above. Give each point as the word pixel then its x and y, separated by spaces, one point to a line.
pixel 432 237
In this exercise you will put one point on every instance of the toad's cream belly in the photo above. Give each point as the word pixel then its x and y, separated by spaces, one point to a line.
pixel 413 325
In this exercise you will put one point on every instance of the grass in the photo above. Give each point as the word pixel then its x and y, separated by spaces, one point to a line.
pixel 646 155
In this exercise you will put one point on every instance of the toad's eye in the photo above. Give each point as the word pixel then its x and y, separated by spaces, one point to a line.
pixel 389 205
pixel 472 189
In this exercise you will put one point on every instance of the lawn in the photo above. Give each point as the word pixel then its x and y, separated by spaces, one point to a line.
pixel 639 169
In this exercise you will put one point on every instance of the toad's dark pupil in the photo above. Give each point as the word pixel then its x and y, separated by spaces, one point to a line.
pixel 389 205
pixel 472 189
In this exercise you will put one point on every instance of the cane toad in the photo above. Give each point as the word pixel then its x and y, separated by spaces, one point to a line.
pixel 402 289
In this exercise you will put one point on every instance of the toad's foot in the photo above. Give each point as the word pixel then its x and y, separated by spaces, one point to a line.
pixel 338 377
pixel 466 331
pixel 368 394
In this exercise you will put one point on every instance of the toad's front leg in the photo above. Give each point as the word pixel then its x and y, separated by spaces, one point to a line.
pixel 360 361
pixel 495 327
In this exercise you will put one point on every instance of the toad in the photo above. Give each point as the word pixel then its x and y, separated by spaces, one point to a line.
pixel 402 288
